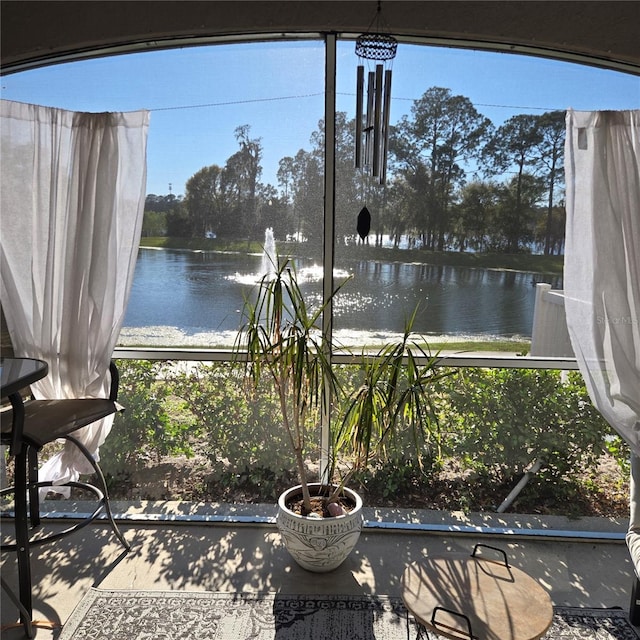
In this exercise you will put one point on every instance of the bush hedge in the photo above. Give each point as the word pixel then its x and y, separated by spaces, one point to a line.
pixel 491 424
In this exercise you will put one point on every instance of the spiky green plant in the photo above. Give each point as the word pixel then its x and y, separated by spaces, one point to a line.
pixel 283 338
pixel 395 392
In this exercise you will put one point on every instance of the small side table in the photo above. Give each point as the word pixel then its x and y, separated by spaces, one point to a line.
pixel 476 597
pixel 15 374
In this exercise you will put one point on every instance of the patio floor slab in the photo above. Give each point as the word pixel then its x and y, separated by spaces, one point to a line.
pixel 249 557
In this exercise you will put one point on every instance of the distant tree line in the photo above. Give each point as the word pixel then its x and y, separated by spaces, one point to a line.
pixel 455 182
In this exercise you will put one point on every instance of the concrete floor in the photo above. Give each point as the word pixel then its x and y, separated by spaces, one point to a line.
pixel 214 556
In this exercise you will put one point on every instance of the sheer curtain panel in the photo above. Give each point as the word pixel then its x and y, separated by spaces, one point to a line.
pixel 72 200
pixel 602 261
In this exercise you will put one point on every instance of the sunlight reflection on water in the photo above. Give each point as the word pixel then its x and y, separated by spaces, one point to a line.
pixel 196 299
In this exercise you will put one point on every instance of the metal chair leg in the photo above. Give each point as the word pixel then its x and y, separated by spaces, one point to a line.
pixel 22 541
pixel 25 618
pixel 34 494
pixel 103 489
pixel 634 607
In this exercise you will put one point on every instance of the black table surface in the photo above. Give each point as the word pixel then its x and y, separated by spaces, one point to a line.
pixel 16 373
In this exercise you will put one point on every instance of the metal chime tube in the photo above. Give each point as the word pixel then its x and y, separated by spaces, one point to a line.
pixel 385 124
pixel 372 141
pixel 377 121
pixel 382 48
pixel 368 142
pixel 359 99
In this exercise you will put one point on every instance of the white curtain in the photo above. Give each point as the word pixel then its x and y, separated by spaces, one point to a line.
pixel 72 200
pixel 602 261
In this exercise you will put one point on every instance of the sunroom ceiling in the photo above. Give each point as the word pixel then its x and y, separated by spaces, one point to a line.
pixel 600 32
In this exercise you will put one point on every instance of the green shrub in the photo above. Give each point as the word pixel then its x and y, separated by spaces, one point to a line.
pixel 493 423
pixel 155 422
pixel 236 425
pixel 501 420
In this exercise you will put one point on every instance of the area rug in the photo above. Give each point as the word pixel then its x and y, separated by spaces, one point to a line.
pixel 169 615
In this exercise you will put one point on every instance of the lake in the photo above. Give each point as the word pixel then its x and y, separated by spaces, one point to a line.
pixel 193 298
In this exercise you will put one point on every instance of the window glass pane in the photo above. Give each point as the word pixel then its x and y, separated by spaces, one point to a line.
pixel 472 213
pixel 234 149
pixel 460 231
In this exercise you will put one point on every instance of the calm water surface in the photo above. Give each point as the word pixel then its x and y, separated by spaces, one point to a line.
pixel 182 297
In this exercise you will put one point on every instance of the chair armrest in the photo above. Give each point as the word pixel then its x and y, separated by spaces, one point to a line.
pixel 115 381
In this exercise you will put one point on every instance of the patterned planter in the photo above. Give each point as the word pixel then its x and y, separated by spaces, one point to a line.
pixel 319 544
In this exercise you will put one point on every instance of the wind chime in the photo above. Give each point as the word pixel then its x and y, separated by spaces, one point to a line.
pixel 372 122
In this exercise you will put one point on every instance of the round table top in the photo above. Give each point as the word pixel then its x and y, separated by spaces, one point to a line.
pixel 17 373
pixel 500 602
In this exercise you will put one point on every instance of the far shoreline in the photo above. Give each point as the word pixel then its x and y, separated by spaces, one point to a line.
pixel 520 262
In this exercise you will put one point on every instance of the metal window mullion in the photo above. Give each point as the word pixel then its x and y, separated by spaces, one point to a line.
pixel 479 359
pixel 329 233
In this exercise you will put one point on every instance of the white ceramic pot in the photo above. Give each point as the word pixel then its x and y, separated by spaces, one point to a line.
pixel 319 544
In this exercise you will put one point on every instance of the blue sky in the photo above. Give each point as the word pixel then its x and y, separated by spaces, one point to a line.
pixel 199 95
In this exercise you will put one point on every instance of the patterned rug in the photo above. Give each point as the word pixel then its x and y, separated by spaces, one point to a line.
pixel 169 615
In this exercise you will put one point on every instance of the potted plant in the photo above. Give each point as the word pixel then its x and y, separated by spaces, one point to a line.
pixel 282 338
